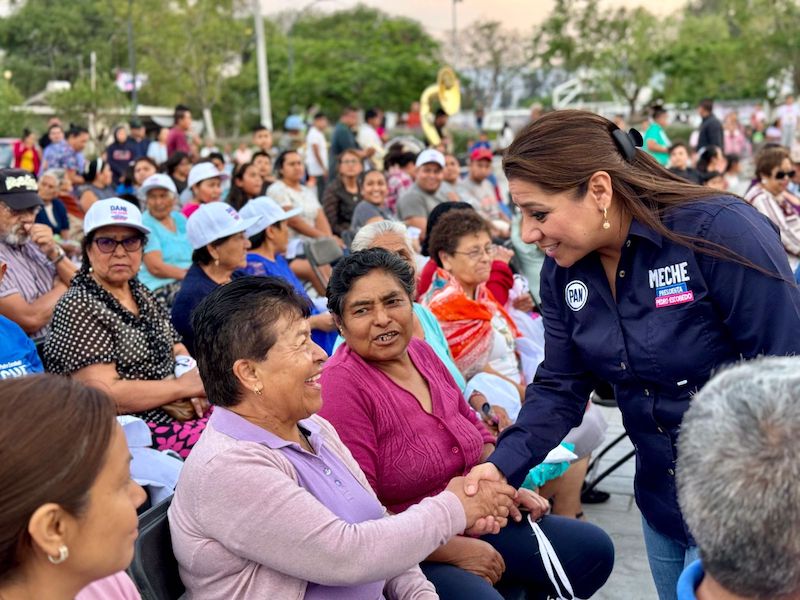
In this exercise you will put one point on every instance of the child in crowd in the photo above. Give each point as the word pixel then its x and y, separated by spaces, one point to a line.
pixel 205 183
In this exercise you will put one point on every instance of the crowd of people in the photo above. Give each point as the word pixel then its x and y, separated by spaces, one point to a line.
pixel 441 450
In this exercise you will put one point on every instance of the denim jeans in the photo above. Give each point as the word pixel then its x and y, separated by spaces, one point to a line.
pixel 668 558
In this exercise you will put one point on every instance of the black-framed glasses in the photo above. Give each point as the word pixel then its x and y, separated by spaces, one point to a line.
pixel 782 174
pixel 109 245
pixel 476 254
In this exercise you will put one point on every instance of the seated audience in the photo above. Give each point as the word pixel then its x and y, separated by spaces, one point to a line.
pixel 216 234
pixel 263 162
pixel 774 170
pixel 416 203
pixel 246 185
pixel 679 163
pixel 38 271
pixel 143 167
pixel 67 502
pixel 478 191
pixel 18 356
pixel 311 223
pixel 373 206
pixel 98 184
pixel 738 486
pixel 177 167
pixel 451 177
pixel 110 332
pixel 400 413
pixel 205 186
pixel 342 194
pixel 53 212
pixel 168 254
pixel 269 238
pixel 271 504
pixel 401 169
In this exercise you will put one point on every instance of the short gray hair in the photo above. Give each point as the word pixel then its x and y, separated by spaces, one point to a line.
pixel 368 233
pixel 739 477
pixel 57 174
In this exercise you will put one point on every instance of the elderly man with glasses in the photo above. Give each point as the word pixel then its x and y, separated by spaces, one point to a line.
pixel 37 271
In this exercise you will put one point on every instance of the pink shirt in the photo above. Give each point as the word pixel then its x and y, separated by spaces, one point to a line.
pixel 189 209
pixel 114 587
pixel 406 453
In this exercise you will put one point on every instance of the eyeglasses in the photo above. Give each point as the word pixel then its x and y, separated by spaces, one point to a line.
pixel 109 245
pixel 782 174
pixel 476 254
pixel 32 211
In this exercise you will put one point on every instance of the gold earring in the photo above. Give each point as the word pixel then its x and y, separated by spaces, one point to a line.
pixel 257 391
pixel 606 224
pixel 216 262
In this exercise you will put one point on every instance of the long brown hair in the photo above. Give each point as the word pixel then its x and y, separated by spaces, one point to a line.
pixel 54 438
pixel 560 151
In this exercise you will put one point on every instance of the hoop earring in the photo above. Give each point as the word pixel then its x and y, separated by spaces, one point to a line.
pixel 606 224
pixel 63 554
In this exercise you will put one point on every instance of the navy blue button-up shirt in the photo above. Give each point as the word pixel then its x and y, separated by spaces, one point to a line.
pixel 678 316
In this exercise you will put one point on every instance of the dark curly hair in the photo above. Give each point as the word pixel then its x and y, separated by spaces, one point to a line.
pixel 450 228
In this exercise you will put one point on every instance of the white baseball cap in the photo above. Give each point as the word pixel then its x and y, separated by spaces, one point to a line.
pixel 214 221
pixel 202 171
pixel 113 211
pixel 270 212
pixel 430 156
pixel 159 181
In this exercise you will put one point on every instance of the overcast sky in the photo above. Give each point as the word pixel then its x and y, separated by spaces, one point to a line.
pixel 436 15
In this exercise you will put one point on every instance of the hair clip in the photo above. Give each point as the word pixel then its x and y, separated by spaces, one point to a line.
pixel 627 142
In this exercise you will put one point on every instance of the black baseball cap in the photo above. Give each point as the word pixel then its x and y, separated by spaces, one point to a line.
pixel 18 189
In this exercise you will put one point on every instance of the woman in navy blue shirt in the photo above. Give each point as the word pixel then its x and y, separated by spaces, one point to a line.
pixel 650 283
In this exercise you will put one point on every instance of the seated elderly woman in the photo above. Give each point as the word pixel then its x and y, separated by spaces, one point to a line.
pixel 216 233
pixel 110 332
pixel 271 504
pixel 393 236
pixel 750 415
pixel 399 411
pixel 168 254
pixel 67 501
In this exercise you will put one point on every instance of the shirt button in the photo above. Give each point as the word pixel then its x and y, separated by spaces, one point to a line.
pixel 623 366
pixel 622 274
pixel 671 472
pixel 628 244
pixel 338 483
pixel 455 450
pixel 440 426
pixel 326 470
pixel 660 430
pixel 646 392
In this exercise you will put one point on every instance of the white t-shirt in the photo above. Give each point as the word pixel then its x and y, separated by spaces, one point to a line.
pixel 314 167
pixel 305 199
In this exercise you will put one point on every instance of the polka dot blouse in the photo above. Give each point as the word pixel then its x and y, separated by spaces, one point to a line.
pixel 91 327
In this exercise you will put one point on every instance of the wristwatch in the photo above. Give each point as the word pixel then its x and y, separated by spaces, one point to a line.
pixel 60 255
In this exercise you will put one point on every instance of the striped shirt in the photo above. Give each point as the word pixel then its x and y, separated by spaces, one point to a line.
pixel 29 274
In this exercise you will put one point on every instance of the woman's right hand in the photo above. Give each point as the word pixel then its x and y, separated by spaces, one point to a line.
pixel 493 499
pixel 191 384
pixel 479 557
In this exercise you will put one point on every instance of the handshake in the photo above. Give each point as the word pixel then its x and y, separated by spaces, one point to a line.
pixel 489 501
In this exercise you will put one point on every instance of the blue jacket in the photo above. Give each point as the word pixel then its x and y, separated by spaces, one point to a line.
pixel 679 316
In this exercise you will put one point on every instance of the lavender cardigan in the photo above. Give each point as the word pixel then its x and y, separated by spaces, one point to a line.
pixel 243 527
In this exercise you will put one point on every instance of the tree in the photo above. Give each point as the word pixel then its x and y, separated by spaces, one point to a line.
pixel 496 58
pixel 11 122
pixel 83 105
pixel 360 55
pixel 617 49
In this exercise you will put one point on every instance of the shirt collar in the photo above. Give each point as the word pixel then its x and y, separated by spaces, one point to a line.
pixel 640 230
pixel 235 426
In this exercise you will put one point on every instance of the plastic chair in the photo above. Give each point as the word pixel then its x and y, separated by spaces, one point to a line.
pixel 154 569
pixel 322 251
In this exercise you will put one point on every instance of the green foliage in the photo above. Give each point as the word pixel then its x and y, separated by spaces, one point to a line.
pixel 80 100
pixel 11 122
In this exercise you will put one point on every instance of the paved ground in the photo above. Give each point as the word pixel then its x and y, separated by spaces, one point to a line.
pixel 620 517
